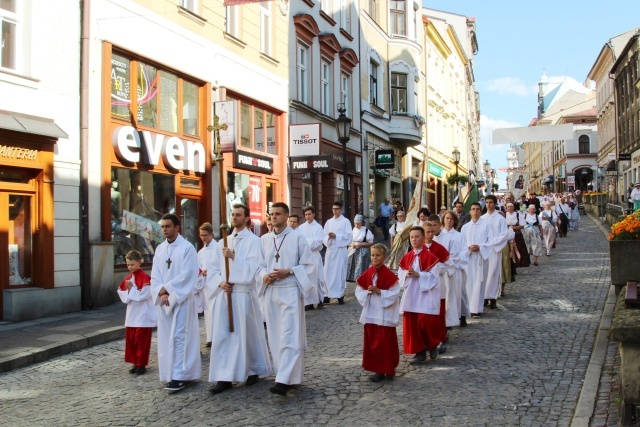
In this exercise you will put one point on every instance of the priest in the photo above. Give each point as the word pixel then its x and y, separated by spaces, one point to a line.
pixel 477 252
pixel 173 277
pixel 241 355
pixel 284 277
pixel 498 238
pixel 337 237
pixel 313 232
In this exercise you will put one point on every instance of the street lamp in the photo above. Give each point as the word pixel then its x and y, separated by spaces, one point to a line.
pixel 456 159
pixel 343 128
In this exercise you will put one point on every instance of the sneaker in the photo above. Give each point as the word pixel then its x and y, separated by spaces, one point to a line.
pixel 376 378
pixel 141 370
pixel 175 385
pixel 548 254
pixel 419 358
pixel 252 380
pixel 433 354
pixel 133 369
pixel 442 348
pixel 341 300
pixel 220 387
pixel 279 389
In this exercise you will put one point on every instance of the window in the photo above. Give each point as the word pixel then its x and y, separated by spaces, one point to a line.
pixel 190 5
pixel 10 33
pixel 265 28
pixel 326 89
pixel 303 74
pixel 258 127
pixel 345 92
pixel 345 16
pixel 373 9
pixel 231 21
pixel 583 145
pixel 398 93
pixel 373 83
pixel 326 7
pixel 164 100
pixel 397 18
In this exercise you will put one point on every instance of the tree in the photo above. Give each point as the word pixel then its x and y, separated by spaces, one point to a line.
pixel 460 179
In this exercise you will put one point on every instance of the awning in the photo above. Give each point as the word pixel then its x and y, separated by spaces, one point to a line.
pixel 548 179
pixel 30 124
pixel 611 166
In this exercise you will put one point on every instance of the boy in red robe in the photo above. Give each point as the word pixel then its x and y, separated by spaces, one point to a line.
pixel 431 229
pixel 378 291
pixel 141 314
pixel 419 276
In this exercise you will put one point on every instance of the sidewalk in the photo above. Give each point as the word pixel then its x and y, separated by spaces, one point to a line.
pixel 25 343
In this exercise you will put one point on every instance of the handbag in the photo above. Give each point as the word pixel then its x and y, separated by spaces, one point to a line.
pixel 378 221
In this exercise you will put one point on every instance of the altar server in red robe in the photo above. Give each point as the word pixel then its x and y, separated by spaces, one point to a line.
pixel 419 276
pixel 431 230
pixel 378 291
pixel 141 314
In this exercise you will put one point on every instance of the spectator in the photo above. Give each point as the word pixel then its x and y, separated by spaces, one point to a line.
pixel 385 210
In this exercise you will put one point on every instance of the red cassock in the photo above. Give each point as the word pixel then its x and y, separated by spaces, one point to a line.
pixel 380 353
pixel 137 339
pixel 421 331
pixel 443 256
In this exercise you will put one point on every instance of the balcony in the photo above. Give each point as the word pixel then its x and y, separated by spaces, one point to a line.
pixel 406 130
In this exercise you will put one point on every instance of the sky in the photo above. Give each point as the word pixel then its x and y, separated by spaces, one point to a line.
pixel 518 40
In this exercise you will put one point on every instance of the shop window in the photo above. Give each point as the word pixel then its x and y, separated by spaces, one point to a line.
pixel 259 135
pixel 245 125
pixel 246 190
pixel 190 105
pixel 257 128
pixel 20 239
pixel 138 201
pixel 120 86
pixel 189 221
pixel 147 95
pixel 271 132
pixel 169 102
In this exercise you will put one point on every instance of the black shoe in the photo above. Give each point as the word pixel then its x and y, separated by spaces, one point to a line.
pixel 133 369
pixel 493 304
pixel 376 378
pixel 208 344
pixel 141 370
pixel 175 386
pixel 309 307
pixel 320 305
pixel 442 348
pixel 341 300
pixel 463 321
pixel 279 388
pixel 220 387
pixel 327 300
pixel 433 354
pixel 252 380
pixel 418 359
pixel 486 302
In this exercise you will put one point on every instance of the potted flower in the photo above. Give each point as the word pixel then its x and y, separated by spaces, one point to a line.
pixel 624 250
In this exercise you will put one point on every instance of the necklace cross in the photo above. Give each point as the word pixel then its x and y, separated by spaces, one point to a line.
pixel 169 263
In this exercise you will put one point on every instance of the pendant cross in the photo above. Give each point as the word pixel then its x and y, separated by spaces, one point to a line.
pixel 277 257
pixel 169 263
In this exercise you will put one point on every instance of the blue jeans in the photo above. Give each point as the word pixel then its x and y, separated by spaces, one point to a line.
pixel 385 227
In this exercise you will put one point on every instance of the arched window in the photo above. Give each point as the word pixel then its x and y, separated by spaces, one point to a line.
pixel 583 144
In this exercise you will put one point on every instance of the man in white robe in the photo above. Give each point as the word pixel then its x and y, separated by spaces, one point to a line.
pixel 284 277
pixel 314 233
pixel 498 238
pixel 173 277
pixel 337 238
pixel 204 254
pixel 477 252
pixel 241 355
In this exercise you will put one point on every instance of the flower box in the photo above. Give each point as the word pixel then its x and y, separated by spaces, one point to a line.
pixel 623 258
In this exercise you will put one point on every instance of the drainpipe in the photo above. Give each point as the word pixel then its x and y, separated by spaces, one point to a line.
pixel 85 259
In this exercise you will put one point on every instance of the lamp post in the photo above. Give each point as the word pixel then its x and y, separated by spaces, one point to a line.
pixel 456 161
pixel 343 128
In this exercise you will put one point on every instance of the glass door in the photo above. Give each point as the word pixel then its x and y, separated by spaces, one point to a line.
pixel 20 238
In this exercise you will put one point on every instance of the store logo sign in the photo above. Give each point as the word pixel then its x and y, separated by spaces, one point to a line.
pixel 147 148
pixel 304 140
pixel 252 162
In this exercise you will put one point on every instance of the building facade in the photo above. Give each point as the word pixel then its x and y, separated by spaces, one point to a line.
pixel 39 159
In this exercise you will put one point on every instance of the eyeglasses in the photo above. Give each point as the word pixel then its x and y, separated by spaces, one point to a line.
pixel 335 209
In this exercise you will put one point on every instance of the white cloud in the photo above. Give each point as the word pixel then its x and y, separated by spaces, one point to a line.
pixel 511 86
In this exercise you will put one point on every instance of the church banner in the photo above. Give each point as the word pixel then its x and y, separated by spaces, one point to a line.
pixel 518 183
pixel 226 113
pixel 141 226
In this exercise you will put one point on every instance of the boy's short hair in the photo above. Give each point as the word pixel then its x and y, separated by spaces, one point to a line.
pixel 282 205
pixel 433 218
pixel 295 215
pixel 308 208
pixel 380 247
pixel 417 228
pixel 133 256
pixel 207 227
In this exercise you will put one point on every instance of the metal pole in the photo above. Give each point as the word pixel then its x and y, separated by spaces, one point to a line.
pixel 347 209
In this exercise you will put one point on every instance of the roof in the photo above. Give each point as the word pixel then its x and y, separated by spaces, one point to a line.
pixel 18 122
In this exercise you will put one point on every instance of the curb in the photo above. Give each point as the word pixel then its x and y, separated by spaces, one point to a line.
pixel 589 391
pixel 42 354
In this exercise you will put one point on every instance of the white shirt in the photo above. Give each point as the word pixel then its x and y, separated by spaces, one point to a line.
pixel 397 228
pixel 635 194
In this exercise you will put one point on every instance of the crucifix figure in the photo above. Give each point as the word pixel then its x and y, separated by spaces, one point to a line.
pixel 224 227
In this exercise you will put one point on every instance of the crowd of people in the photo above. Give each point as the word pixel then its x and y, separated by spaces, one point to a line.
pixel 255 290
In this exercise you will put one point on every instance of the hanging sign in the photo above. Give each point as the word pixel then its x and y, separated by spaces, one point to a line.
pixel 252 162
pixel 304 140
pixel 384 159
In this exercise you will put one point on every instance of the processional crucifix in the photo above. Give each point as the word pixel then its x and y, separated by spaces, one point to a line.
pixel 224 227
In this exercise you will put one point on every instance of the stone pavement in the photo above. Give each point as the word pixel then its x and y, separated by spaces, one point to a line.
pixel 522 364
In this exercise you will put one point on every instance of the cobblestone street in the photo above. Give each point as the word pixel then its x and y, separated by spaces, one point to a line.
pixel 521 364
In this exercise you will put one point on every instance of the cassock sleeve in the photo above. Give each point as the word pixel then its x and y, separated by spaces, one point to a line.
pixel 326 240
pixel 361 295
pixel 124 296
pixel 498 239
pixel 315 243
pixel 306 265
pixel 429 279
pixel 390 296
pixel 181 285
pixel 156 274
pixel 344 237
pixel 262 268
pixel 140 295
pixel 214 274
pixel 486 248
pixel 402 276
pixel 463 253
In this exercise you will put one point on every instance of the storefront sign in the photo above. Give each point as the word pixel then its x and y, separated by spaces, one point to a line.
pixel 141 226
pixel 311 164
pixel 560 172
pixel 626 156
pixel 611 173
pixel 144 147
pixel 571 180
pixel 252 162
pixel 304 140
pixel 18 153
pixel 384 159
pixel 435 170
pixel 226 113
pixel 255 200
